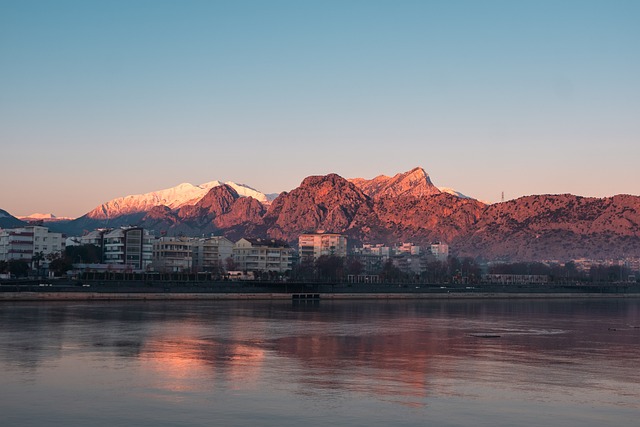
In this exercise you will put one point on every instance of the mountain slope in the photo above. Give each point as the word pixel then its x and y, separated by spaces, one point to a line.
pixel 329 202
pixel 559 227
pixel 9 221
pixel 405 208
pixel 423 220
pixel 415 182
pixel 174 197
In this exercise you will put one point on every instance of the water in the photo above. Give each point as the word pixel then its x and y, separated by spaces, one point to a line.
pixel 362 363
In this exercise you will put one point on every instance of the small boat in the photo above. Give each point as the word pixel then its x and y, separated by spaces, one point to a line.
pixel 485 335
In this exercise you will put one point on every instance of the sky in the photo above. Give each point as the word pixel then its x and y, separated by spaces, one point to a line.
pixel 101 99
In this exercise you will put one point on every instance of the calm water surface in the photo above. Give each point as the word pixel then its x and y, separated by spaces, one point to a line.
pixel 564 363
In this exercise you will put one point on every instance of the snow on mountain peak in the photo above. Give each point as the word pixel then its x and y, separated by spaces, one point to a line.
pixel 246 191
pixel 453 192
pixel 174 197
pixel 43 217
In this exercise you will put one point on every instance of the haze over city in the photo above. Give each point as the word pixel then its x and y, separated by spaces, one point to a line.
pixel 104 99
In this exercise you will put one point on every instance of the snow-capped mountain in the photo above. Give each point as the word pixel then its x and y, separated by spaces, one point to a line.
pixel 43 217
pixel 174 197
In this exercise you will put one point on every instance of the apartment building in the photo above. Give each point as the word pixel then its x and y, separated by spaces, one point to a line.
pixel 312 246
pixel 132 246
pixel 262 255
pixel 440 251
pixel 173 254
pixel 210 254
pixel 25 242
pixel 94 237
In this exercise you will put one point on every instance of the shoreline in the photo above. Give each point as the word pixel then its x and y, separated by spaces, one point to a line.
pixel 190 296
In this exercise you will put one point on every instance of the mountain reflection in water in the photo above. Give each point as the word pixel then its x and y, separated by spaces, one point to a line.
pixel 528 362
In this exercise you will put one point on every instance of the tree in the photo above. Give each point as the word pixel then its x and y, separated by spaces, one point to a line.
pixel 303 271
pixel 88 254
pixel 390 272
pixel 470 268
pixel 37 258
pixel 230 264
pixel 18 267
pixel 4 267
pixel 354 266
pixel 330 267
pixel 436 272
pixel 60 266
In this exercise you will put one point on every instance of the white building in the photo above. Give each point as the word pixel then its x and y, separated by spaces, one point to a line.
pixel 210 254
pixel 132 246
pixel 173 254
pixel 440 251
pixel 378 249
pixel 262 255
pixel 407 248
pixel 25 242
pixel 312 246
pixel 94 237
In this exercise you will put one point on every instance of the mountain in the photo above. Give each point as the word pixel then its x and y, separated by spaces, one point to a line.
pixel 423 220
pixel 221 209
pixel 189 219
pixel 174 197
pixel 561 227
pixel 404 208
pixel 415 182
pixel 329 203
pixel 155 209
pixel 453 192
pixel 9 221
pixel 44 217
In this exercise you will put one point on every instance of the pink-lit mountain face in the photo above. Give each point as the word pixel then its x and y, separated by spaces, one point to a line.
pixel 556 227
pixel 415 183
pixel 404 208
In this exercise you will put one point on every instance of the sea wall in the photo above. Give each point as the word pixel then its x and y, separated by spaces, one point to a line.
pixel 182 296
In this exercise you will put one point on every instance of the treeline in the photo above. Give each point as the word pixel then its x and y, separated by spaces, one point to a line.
pixel 15 267
pixel 332 268
pixel 59 264
pixel 568 272
pixel 454 270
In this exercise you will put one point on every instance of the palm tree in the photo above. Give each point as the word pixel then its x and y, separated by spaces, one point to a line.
pixel 37 258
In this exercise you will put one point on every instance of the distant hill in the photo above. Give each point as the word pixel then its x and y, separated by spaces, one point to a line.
pixel 45 218
pixel 9 221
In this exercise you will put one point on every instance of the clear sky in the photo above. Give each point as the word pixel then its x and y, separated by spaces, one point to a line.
pixel 100 99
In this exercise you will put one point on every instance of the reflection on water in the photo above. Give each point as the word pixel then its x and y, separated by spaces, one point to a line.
pixel 349 363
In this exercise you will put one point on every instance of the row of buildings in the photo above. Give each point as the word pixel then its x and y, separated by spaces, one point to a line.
pixel 134 248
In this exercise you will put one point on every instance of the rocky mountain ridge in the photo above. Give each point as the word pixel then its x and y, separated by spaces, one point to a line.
pixel 415 182
pixel 407 208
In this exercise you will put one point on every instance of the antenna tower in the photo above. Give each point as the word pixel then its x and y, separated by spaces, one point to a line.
pixel 503 196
